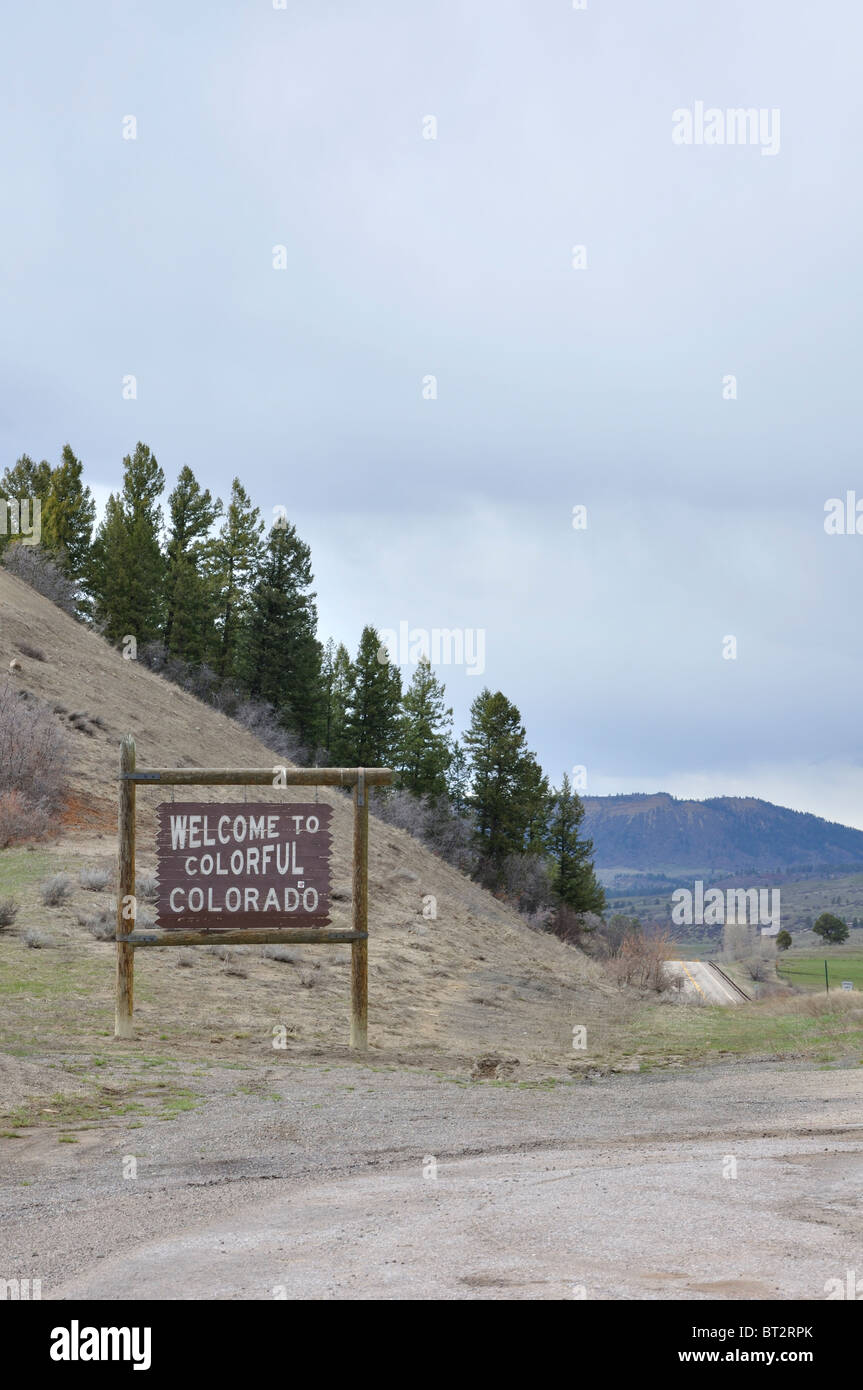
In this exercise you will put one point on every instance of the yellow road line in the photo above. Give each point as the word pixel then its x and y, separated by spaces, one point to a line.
pixel 695 982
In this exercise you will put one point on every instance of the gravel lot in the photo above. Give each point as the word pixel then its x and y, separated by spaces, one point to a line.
pixel 365 1182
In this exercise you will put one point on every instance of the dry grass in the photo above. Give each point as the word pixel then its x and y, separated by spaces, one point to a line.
pixel 845 1005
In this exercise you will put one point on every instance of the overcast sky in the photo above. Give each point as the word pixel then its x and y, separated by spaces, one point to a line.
pixel 452 257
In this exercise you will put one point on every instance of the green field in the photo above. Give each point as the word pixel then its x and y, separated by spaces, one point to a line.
pixel 805 969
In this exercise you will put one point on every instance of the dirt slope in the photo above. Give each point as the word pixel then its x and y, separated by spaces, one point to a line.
pixel 474 979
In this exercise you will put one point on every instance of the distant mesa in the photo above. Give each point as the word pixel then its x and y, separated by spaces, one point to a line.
pixel 655 832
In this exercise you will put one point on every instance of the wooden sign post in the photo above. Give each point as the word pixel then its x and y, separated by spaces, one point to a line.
pixel 243 874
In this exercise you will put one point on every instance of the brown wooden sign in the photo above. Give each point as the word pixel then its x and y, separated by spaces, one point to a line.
pixel 241 874
pixel 243 865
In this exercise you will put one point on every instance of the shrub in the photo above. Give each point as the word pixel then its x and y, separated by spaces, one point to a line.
pixel 103 927
pixel 82 723
pixel 146 887
pixel 38 940
pixel 757 968
pixel 223 952
pixel 35 567
pixel 21 819
pixel 430 820
pixel 575 928
pixel 526 881
pixel 95 880
pixel 8 912
pixel 280 953
pixel 55 890
pixel 32 779
pixel 34 653
pixel 640 961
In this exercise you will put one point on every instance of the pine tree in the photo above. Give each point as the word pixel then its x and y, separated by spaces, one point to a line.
pixel 280 659
pixel 337 679
pixel 537 805
pixel 193 611
pixel 235 556
pixel 458 779
pixel 502 779
pixel 68 516
pixel 372 718
pixel 24 481
pixel 126 563
pixel 190 600
pixel 424 754
pixel 574 880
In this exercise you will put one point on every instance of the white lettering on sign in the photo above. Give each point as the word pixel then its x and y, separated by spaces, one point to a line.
pixel 261 865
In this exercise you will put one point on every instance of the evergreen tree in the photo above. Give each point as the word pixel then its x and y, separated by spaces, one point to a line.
pixel 538 802
pixel 458 779
pixel 337 680
pixel 235 556
pixel 68 516
pixel 281 655
pixel 424 755
pixel 831 929
pixel 372 717
pixel 193 611
pixel 190 600
pixel 126 562
pixel 574 881
pixel 502 779
pixel 24 481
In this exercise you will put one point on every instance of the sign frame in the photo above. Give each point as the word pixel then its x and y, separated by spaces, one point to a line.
pixel 128 936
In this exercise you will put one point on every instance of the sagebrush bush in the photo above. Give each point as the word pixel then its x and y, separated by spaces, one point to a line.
pixel 8 912
pixel 280 953
pixel 95 880
pixel 55 890
pixel 38 940
pixel 34 653
pixel 103 927
pixel 146 887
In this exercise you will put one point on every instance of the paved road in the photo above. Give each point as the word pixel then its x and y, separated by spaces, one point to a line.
pixel 702 983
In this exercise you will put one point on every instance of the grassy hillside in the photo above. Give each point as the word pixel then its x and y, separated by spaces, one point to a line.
pixel 474 978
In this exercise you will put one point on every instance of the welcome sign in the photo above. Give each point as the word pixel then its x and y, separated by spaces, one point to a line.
pixel 243 865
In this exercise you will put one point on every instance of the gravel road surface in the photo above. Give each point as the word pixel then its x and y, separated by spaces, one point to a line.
pixel 735 1181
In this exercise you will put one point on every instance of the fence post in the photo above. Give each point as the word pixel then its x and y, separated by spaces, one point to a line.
pixel 360 907
pixel 125 889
